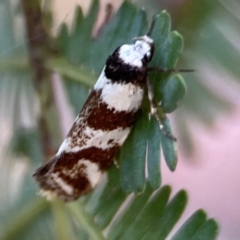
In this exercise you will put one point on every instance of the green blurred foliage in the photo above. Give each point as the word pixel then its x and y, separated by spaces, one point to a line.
pixel 149 215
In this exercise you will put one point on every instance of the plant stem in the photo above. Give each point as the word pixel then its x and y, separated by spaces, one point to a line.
pixel 61 220
pixel 75 73
pixel 37 39
pixel 86 221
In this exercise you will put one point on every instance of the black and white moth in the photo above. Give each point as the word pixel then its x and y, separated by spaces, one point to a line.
pixel 102 125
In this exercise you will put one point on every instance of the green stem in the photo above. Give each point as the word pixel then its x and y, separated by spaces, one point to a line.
pixel 75 73
pixel 16 62
pixel 59 65
pixel 86 221
pixel 22 218
pixel 61 220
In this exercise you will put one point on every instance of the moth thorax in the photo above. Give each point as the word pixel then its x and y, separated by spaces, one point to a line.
pixel 138 54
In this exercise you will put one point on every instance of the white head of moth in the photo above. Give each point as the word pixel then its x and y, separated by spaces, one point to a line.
pixel 101 126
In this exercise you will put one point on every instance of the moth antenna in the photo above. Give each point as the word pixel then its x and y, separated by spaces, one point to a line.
pixel 169 70
pixel 154 19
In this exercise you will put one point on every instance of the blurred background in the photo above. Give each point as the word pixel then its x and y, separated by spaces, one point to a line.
pixel 207 124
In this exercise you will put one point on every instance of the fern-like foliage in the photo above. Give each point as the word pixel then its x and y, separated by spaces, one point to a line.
pixel 128 204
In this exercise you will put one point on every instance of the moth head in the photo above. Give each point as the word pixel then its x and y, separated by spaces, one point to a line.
pixel 138 54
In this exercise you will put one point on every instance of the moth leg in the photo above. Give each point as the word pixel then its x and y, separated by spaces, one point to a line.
pixel 116 163
pixel 153 106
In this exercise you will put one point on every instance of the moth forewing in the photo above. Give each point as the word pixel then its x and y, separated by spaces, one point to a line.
pixel 102 125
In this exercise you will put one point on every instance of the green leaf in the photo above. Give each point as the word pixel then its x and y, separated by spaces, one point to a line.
pixel 153 154
pixel 126 164
pixel 208 231
pixel 108 210
pixel 172 93
pixel 76 49
pixel 160 34
pixel 86 221
pixel 133 155
pixel 169 147
pixel 63 40
pixel 104 204
pixel 139 152
pixel 168 46
pixel 77 95
pixel 149 214
pixel 189 228
pixel 26 142
pixel 128 22
pixel 129 214
pixel 80 39
pixel 175 46
pixel 160 229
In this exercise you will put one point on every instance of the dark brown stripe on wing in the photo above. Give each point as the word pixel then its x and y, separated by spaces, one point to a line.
pixel 103 157
pixel 79 180
pixel 69 169
pixel 101 117
pixel 74 177
pixel 97 115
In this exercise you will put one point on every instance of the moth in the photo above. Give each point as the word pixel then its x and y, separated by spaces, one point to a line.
pixel 102 125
